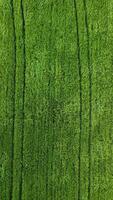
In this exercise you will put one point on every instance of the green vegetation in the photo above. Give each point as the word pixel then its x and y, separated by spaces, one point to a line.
pixel 56 100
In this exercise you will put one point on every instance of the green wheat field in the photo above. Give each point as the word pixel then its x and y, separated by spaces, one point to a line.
pixel 56 99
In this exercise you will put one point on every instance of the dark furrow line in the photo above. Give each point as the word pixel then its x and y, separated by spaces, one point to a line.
pixel 24 85
pixel 53 139
pixel 99 162
pixel 49 102
pixel 80 88
pixel 47 184
pixel 90 99
pixel 37 166
pixel 53 191
pixel 14 103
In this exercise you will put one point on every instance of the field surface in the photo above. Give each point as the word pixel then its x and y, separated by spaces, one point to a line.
pixel 56 100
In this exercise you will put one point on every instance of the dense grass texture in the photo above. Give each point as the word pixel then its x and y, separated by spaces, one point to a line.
pixel 56 100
